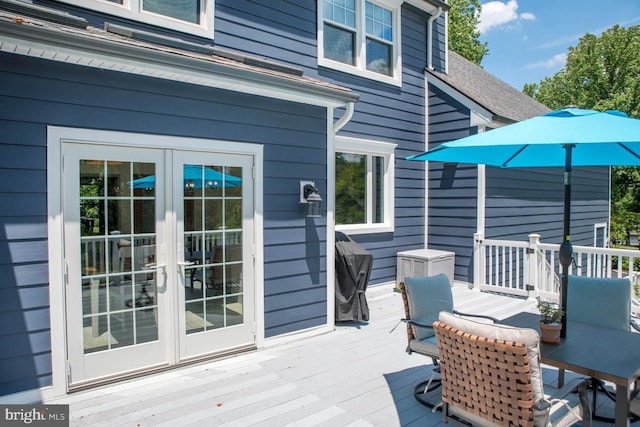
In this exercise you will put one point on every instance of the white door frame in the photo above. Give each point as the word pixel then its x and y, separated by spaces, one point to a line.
pixel 56 136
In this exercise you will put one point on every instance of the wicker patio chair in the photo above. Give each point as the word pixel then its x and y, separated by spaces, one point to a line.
pixel 491 376
pixel 424 298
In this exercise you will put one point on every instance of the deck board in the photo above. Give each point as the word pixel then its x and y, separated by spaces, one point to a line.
pixel 357 375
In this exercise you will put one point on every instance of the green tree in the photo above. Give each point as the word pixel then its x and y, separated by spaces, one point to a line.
pixel 625 201
pixel 463 35
pixel 603 73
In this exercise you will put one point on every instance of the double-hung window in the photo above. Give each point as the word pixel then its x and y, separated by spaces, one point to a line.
pixel 188 16
pixel 361 37
pixel 364 201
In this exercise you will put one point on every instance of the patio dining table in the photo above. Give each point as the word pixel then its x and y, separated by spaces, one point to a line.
pixel 599 352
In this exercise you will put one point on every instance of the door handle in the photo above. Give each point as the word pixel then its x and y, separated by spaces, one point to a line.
pixel 182 265
pixel 156 266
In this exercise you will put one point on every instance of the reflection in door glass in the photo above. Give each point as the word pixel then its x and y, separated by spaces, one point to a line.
pixel 118 254
pixel 213 244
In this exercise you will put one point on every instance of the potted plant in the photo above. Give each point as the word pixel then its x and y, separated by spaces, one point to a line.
pixel 550 321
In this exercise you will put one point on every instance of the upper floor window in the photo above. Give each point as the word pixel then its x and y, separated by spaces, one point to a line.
pixel 364 185
pixel 187 16
pixel 361 37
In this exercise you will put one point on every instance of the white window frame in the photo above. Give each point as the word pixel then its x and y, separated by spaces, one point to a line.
pixel 360 68
pixel 597 226
pixel 371 148
pixel 132 9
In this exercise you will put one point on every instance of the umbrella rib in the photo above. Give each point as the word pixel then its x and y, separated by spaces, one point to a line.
pixel 629 150
pixel 520 150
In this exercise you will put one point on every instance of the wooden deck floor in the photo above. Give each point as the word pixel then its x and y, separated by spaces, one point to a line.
pixel 358 375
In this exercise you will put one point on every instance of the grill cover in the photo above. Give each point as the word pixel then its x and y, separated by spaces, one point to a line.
pixel 353 268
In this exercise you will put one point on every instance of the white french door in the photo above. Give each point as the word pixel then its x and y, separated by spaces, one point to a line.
pixel 158 257
pixel 214 208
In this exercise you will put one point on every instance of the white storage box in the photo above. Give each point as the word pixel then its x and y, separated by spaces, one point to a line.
pixel 425 262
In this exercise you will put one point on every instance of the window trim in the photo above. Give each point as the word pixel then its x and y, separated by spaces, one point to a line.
pixel 597 226
pixel 132 9
pixel 360 69
pixel 370 148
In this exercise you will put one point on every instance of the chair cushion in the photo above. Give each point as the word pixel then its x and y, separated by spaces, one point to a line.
pixel 427 297
pixel 427 346
pixel 599 301
pixel 528 337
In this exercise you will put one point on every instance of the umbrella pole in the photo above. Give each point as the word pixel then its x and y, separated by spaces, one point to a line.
pixel 566 250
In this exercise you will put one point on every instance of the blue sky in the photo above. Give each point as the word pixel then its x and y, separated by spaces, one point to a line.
pixel 529 39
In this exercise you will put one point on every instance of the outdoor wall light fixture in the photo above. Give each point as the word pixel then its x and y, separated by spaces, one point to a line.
pixel 309 195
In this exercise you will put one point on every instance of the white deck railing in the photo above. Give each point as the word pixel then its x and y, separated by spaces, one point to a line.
pixel 532 269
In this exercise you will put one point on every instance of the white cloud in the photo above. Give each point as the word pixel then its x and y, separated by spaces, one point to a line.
pixel 528 16
pixel 496 14
pixel 555 62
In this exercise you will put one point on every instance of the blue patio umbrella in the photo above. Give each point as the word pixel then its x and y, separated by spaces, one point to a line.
pixel 562 138
pixel 194 176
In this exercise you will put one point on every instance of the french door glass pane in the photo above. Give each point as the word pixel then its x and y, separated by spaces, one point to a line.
pixel 118 278
pixel 339 44
pixel 213 246
pixel 185 10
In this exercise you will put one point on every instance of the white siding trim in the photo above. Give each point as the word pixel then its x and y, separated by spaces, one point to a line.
pixel 481 213
pixel 426 164
pixel 56 262
pixel 331 219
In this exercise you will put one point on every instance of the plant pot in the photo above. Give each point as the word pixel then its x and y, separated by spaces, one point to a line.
pixel 550 332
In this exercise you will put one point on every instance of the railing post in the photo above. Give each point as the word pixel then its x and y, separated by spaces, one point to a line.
pixel 479 260
pixel 533 267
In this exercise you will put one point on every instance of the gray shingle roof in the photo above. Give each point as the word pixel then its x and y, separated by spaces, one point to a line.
pixel 504 101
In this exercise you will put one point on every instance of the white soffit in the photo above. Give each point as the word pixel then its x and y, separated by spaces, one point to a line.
pixel 41 41
pixel 424 5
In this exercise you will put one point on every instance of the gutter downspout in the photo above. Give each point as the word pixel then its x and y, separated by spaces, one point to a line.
pixel 331 205
pixel 345 117
pixel 430 38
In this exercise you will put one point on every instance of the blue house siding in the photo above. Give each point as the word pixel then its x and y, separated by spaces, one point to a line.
pixel 524 201
pixel 286 32
pixel 398 116
pixel 518 202
pixel 24 292
pixel 452 188
pixel 36 93
pixel 439 44
pixel 283 31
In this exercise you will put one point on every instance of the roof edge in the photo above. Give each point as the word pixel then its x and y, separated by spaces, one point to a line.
pixel 429 6
pixel 462 98
pixel 41 40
